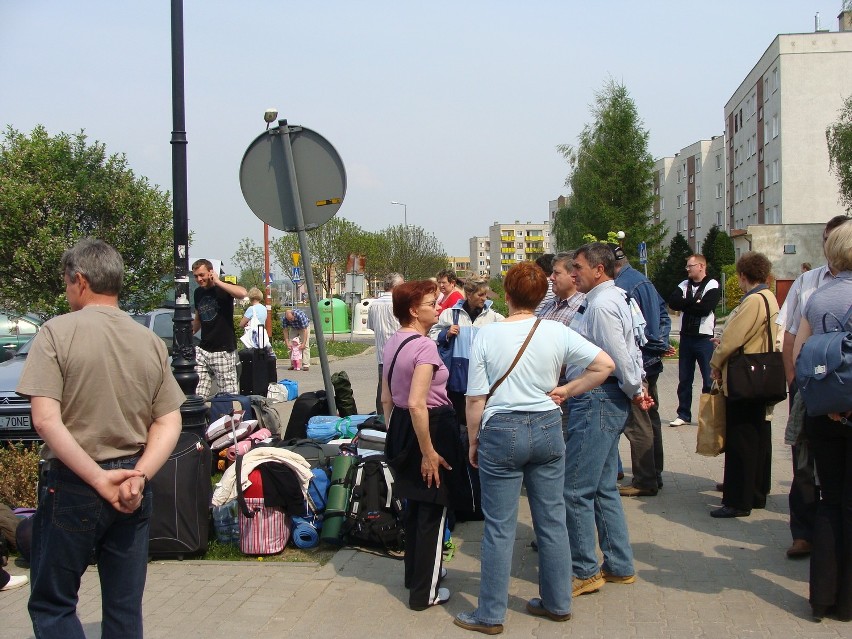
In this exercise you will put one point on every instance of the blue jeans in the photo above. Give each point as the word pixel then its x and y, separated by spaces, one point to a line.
pixel 523 448
pixel 72 525
pixel 591 494
pixel 693 349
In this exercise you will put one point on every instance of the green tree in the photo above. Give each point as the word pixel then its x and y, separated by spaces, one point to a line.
pixel 672 270
pixel 610 173
pixel 708 250
pixel 56 190
pixel 839 139
pixel 248 261
pixel 723 250
pixel 413 252
pixel 329 246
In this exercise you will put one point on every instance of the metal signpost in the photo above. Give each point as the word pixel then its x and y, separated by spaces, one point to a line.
pixel 643 256
pixel 293 179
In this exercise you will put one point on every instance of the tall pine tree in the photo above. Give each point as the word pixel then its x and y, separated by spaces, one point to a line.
pixel 673 269
pixel 610 175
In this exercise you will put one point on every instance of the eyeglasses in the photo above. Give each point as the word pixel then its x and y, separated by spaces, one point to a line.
pixel 432 303
pixel 689 266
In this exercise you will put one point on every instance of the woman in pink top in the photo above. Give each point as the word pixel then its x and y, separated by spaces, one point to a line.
pixel 423 446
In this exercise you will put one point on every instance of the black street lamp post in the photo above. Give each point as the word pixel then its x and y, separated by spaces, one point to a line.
pixel 183 359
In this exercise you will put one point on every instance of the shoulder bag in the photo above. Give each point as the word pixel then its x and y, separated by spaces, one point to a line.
pixel 515 361
pixel 758 376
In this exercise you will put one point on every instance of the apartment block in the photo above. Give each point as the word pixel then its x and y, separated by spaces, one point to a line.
pixel 513 243
pixel 461 265
pixel 775 122
pixel 480 256
pixel 690 190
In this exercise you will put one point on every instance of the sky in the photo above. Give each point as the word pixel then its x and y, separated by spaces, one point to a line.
pixel 454 108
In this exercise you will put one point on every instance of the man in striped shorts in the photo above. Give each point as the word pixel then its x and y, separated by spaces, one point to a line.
pixel 216 356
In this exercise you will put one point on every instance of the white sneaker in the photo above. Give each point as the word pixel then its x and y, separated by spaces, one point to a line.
pixel 679 422
pixel 22 580
pixel 443 573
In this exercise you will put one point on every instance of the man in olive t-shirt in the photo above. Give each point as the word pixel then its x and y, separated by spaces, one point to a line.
pixel 107 406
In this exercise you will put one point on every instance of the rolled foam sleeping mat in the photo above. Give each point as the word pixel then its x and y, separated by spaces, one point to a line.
pixel 305 534
pixel 338 499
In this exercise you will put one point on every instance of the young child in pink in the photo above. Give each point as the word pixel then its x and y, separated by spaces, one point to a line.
pixel 295 354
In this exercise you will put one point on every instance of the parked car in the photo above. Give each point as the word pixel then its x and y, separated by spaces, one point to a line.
pixel 16 330
pixel 15 413
pixel 161 321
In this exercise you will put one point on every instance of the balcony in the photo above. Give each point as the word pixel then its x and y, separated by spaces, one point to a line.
pixel 505 261
pixel 534 238
pixel 506 249
pixel 507 238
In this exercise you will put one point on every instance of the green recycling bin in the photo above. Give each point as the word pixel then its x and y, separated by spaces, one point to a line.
pixel 334 316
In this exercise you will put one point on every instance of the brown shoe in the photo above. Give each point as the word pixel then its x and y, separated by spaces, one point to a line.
pixel 586 586
pixel 800 548
pixel 535 607
pixel 618 579
pixel 634 491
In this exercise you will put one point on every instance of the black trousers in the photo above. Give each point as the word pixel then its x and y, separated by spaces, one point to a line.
pixel 831 557
pixel 424 546
pixel 804 493
pixel 748 455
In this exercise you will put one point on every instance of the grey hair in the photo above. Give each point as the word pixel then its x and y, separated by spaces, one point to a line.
pixel 391 280
pixel 597 254
pixel 473 284
pixel 98 262
pixel 564 259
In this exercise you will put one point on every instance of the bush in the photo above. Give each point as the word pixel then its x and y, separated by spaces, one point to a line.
pixel 19 475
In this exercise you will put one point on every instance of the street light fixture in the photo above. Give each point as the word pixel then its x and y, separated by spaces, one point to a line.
pixel 405 210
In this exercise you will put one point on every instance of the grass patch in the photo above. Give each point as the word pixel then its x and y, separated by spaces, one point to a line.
pixel 217 551
pixel 334 349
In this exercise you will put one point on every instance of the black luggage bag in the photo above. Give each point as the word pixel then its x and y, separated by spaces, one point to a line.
pixel 180 521
pixel 307 405
pixel 258 371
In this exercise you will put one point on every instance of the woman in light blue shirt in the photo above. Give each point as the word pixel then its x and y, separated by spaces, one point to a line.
pixel 515 432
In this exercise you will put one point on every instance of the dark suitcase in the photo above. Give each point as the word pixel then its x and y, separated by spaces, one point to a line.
pixel 316 454
pixel 307 405
pixel 180 521
pixel 257 371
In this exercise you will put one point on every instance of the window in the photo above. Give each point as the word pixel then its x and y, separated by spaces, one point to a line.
pixel 765 132
pixel 776 79
pixel 662 177
pixel 736 157
pixel 698 192
pixel 760 113
pixel 662 204
pixel 692 206
pixel 698 220
pixel 679 176
pixel 737 191
pixel 718 161
pixel 679 228
pixel 719 191
pixel 683 169
pixel 775 126
pixel 766 89
pixel 679 202
pixel 766 174
pixel 753 103
pixel 698 164
pixel 775 171
pixel 719 218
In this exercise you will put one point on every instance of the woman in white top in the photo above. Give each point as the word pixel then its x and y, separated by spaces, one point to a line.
pixel 516 439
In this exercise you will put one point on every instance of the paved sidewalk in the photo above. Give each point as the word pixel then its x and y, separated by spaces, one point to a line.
pixel 697 576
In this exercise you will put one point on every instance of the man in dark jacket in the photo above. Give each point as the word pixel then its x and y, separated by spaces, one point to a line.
pixel 644 427
pixel 696 298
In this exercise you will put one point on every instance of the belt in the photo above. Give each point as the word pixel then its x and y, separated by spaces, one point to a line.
pixel 48 465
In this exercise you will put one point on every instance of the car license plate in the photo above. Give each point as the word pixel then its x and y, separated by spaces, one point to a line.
pixel 15 422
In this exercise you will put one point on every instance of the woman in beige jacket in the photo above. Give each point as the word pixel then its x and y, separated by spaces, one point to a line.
pixel 748 445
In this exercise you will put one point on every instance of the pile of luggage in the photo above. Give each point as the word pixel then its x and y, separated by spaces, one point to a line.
pixel 320 478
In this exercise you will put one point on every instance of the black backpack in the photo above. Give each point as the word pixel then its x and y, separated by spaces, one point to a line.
pixel 374 515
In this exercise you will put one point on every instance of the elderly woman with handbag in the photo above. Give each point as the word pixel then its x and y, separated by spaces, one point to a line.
pixel 749 335
pixel 515 430
pixel 422 444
